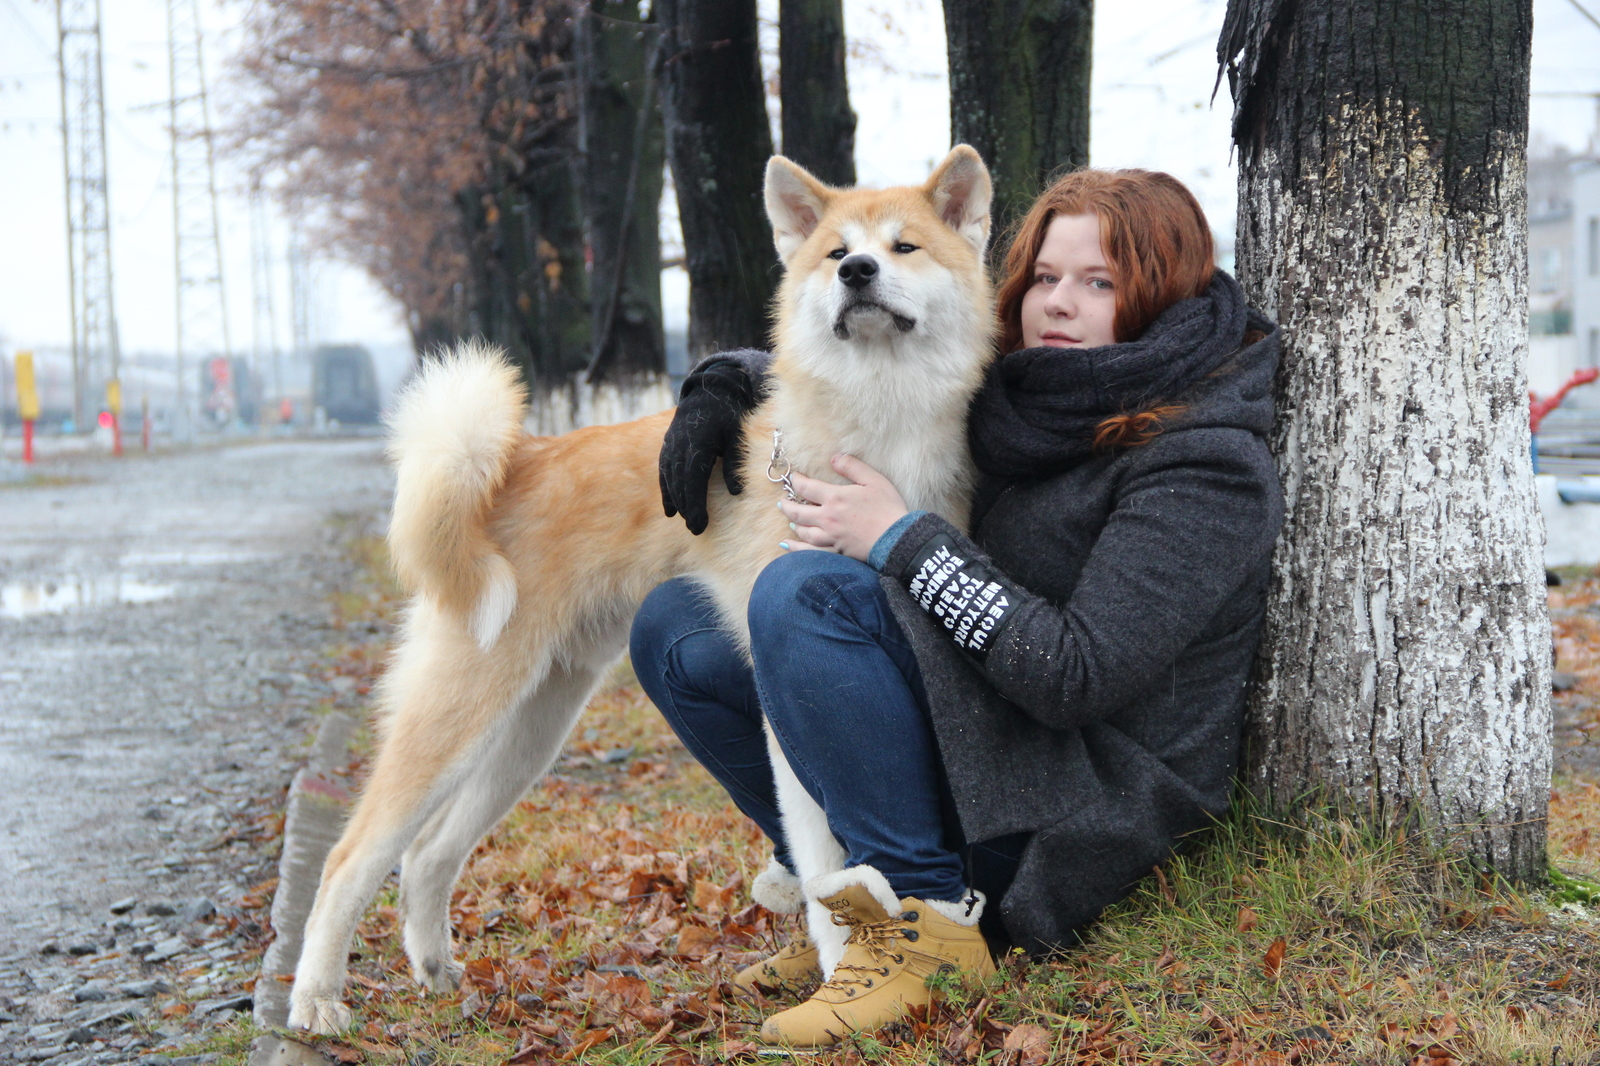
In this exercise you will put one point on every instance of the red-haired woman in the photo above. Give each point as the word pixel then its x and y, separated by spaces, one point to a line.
pixel 1006 726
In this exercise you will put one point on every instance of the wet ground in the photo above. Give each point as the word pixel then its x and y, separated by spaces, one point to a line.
pixel 162 624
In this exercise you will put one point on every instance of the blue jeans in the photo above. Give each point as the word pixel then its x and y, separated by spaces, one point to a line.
pixel 841 688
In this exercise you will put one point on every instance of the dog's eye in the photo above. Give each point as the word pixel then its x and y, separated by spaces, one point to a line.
pixel 838 253
pixel 904 249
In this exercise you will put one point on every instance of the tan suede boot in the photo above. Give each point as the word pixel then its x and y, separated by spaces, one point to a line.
pixel 895 945
pixel 792 968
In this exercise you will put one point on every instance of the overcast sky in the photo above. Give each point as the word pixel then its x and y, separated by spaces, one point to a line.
pixel 1153 71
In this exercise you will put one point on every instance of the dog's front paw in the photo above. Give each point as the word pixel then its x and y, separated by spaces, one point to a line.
pixel 318 1014
pixel 440 974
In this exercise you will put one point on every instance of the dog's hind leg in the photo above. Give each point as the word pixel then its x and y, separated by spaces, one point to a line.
pixel 511 760
pixel 398 799
pixel 441 714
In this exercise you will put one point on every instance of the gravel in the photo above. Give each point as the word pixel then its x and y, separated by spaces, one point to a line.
pixel 150 717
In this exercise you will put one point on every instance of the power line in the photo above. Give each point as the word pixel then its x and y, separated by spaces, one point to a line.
pixel 201 306
pixel 27 28
pixel 1585 13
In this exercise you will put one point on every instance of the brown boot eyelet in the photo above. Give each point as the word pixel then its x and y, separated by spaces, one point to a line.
pixel 909 916
pixel 911 934
pixel 898 959
pixel 869 982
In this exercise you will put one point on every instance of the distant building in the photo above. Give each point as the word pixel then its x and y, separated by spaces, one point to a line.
pixel 1553 349
pixel 1585 273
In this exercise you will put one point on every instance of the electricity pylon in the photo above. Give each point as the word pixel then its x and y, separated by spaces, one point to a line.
pixel 300 291
pixel 96 351
pixel 264 333
pixel 201 304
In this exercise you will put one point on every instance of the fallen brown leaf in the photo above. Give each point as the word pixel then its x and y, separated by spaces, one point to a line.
pixel 1273 961
pixel 696 940
pixel 585 1042
pixel 1248 919
pixel 531 1052
pixel 707 896
pixel 1166 890
pixel 1032 1044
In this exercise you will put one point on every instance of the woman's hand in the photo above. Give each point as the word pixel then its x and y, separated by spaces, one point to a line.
pixel 847 519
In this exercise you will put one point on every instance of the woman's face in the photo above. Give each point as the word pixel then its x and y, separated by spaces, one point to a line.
pixel 1072 301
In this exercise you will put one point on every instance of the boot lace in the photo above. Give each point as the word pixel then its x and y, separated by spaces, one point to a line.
pixel 878 940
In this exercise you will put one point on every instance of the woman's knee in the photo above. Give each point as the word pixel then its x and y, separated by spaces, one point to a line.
pixel 804 586
pixel 662 617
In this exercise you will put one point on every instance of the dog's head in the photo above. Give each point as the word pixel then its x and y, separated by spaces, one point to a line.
pixel 871 273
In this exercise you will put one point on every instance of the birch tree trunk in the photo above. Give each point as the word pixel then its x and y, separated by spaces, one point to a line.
pixel 1404 669
pixel 819 129
pixel 1019 92
pixel 718 143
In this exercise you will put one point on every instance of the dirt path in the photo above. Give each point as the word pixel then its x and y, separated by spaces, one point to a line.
pixel 161 621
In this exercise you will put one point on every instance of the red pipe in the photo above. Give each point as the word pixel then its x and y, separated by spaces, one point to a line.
pixel 1538 408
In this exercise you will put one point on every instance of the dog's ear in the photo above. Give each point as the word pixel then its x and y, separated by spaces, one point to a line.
pixel 795 203
pixel 960 191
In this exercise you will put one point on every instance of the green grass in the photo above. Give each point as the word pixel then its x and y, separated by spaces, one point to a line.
pixel 601 920
pixel 1390 950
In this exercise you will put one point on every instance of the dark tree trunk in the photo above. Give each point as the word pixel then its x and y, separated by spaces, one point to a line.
pixel 432 334
pixel 622 152
pixel 718 143
pixel 1019 92
pixel 819 129
pixel 529 291
pixel 1404 667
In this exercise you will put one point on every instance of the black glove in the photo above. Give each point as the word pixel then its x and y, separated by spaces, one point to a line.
pixel 712 405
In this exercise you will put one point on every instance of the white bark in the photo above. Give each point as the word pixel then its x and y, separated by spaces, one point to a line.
pixel 577 404
pixel 1405 663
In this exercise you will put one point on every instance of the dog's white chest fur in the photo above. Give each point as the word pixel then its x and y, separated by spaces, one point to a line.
pixel 906 420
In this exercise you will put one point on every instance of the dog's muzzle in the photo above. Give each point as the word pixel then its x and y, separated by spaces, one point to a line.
pixel 860 303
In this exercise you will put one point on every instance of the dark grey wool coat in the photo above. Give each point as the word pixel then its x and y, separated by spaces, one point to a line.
pixel 1105 717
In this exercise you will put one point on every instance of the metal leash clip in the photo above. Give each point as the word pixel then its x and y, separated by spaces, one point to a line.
pixel 786 479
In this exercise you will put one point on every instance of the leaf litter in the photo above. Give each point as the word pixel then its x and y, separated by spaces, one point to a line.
pixel 602 920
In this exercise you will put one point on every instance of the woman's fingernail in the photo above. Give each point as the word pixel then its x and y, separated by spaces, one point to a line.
pixel 783 544
pixel 792 529
pixel 780 505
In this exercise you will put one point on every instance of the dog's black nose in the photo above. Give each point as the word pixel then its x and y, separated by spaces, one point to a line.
pixel 857 271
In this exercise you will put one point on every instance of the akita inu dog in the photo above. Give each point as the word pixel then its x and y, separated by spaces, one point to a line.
pixel 528 556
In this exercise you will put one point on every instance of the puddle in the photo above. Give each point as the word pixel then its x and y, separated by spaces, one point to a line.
pixel 18 599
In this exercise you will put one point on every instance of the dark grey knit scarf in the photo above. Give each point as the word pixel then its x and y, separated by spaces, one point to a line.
pixel 1038 409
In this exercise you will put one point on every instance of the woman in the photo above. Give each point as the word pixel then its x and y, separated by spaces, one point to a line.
pixel 1009 728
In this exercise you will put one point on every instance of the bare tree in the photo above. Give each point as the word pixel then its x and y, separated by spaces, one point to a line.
pixel 1405 664
pixel 718 143
pixel 622 152
pixel 1019 91
pixel 819 128
pixel 436 144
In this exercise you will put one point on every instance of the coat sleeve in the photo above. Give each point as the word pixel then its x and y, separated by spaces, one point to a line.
pixel 1191 522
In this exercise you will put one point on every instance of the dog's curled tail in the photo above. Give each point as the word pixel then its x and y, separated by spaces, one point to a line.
pixel 451 437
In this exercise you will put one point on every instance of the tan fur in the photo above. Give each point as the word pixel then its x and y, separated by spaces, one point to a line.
pixel 478 699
